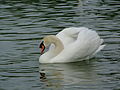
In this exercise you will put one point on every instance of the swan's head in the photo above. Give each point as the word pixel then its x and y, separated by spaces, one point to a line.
pixel 42 47
pixel 44 43
pixel 48 40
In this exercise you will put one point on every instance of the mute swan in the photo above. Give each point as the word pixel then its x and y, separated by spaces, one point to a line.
pixel 70 45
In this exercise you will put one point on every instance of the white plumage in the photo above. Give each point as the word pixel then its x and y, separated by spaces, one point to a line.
pixel 79 43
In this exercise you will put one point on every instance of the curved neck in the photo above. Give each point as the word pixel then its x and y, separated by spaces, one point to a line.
pixel 57 42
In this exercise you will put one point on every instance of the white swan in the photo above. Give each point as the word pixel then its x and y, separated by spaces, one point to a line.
pixel 70 45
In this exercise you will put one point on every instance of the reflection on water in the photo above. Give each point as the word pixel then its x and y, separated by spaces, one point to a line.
pixel 80 75
pixel 62 75
pixel 23 23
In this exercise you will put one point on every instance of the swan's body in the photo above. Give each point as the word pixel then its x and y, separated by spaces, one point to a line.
pixel 71 44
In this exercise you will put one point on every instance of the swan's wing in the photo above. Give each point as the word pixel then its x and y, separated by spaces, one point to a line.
pixel 69 35
pixel 86 45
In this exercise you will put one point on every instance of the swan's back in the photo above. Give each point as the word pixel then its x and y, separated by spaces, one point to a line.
pixel 69 35
pixel 78 43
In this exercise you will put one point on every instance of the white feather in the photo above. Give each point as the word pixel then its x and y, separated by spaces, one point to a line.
pixel 79 44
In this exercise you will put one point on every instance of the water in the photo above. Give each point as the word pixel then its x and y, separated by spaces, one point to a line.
pixel 23 23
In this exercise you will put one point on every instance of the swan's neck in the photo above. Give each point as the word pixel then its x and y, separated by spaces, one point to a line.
pixel 58 46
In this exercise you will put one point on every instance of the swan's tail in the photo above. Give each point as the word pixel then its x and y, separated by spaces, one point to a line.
pixel 90 41
pixel 100 48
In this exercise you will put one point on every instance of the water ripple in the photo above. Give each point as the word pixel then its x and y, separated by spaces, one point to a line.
pixel 24 23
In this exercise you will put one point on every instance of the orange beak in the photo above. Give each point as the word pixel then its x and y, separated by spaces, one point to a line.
pixel 42 47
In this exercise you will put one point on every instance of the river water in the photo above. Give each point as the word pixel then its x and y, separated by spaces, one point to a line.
pixel 23 23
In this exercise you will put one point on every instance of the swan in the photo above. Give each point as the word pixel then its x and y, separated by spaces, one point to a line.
pixel 70 45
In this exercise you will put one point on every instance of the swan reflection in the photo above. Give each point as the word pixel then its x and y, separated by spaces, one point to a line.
pixel 59 75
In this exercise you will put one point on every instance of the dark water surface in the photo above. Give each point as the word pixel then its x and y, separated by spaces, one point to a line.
pixel 24 22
